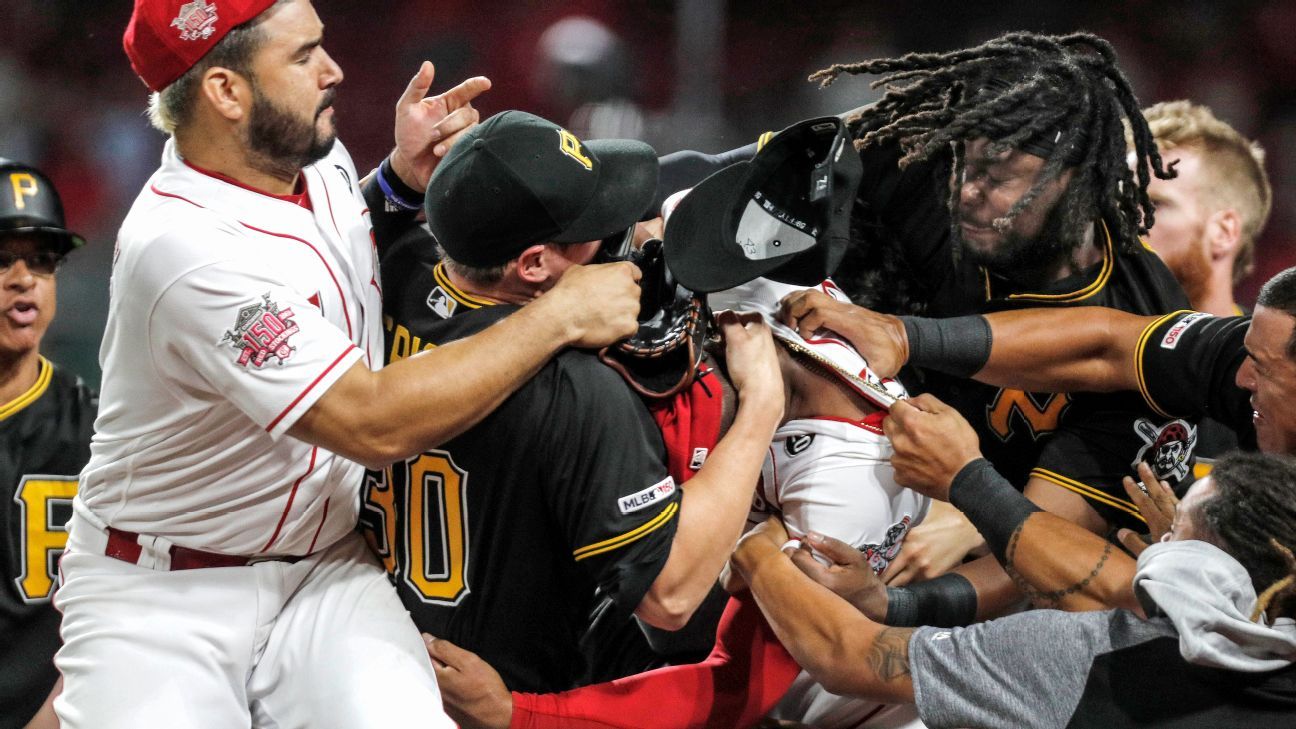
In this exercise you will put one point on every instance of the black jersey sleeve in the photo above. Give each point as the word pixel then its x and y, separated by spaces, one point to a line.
pixel 1186 363
pixel 611 494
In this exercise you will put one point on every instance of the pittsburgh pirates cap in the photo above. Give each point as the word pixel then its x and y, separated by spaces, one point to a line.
pixel 785 214
pixel 165 38
pixel 29 204
pixel 516 180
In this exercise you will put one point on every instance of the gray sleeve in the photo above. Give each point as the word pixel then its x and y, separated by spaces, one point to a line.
pixel 1025 670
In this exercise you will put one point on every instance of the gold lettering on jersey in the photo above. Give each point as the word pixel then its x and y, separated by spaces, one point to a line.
pixel 42 539
pixel 436 496
pixel 571 147
pixel 406 344
pixel 24 186
pixel 1040 419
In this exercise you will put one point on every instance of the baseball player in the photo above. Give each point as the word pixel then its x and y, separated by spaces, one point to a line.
pixel 827 470
pixel 46 420
pixel 500 538
pixel 213 575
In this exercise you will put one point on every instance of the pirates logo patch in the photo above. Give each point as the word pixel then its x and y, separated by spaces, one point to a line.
pixel 1167 449
pixel 261 332
pixel 196 20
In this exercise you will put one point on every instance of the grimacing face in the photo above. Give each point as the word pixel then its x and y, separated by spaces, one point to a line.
pixel 993 181
pixel 1269 374
pixel 1187 518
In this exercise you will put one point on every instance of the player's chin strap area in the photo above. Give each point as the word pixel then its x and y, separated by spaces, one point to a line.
pixel 663 356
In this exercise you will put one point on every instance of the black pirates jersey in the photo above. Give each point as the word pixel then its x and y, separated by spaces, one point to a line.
pixel 1187 364
pixel 44 442
pixel 499 539
pixel 1084 442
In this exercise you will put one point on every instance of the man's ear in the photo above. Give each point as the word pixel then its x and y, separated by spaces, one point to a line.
pixel 228 93
pixel 532 265
pixel 1224 234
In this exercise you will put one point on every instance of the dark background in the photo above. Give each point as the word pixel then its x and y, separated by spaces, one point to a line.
pixel 701 74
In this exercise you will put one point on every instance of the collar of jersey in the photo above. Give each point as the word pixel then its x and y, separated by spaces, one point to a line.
pixel 33 393
pixel 1084 292
pixel 456 293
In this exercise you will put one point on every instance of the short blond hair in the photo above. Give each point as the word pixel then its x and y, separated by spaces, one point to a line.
pixel 1233 164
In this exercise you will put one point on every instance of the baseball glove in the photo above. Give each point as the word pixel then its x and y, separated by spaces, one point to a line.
pixel 662 357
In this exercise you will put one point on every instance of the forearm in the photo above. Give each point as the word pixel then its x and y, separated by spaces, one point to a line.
pixel 418 403
pixel 712 514
pixel 1055 562
pixel 840 647
pixel 1061 565
pixel 1046 350
pixel 390 214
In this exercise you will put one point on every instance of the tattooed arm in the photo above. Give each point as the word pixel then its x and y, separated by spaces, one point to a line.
pixel 1058 564
pixel 829 638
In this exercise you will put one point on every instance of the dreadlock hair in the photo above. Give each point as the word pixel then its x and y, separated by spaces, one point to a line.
pixel 1279 293
pixel 1062 95
pixel 1254 516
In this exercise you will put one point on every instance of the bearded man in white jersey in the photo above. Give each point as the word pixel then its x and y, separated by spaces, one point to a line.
pixel 213 576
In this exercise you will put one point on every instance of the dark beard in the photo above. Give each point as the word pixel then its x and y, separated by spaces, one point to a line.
pixel 281 144
pixel 1031 262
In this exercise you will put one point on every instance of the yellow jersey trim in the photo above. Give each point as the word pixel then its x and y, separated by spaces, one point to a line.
pixel 468 300
pixel 763 140
pixel 1108 264
pixel 607 545
pixel 1138 361
pixel 1089 492
pixel 33 393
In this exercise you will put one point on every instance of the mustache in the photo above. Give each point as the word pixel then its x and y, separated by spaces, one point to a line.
pixel 327 101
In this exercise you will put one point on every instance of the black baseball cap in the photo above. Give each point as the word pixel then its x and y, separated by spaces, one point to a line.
pixel 785 214
pixel 29 204
pixel 516 180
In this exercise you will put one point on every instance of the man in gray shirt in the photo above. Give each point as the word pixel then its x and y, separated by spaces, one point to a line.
pixel 1195 646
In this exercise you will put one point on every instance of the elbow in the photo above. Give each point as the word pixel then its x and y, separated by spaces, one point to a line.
pixel 376 447
pixel 668 612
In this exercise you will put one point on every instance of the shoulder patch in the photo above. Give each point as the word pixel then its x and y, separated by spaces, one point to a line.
pixel 261 332
pixel 1171 338
pixel 654 494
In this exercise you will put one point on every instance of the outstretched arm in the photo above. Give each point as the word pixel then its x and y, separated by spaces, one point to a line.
pixel 1042 350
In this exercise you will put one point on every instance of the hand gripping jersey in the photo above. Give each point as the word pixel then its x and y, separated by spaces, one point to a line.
pixel 231 314
pixel 498 540
pixel 44 441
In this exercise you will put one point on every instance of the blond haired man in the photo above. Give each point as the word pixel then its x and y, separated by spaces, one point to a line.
pixel 1207 218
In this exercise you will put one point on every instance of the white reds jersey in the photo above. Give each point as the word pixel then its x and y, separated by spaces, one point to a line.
pixel 231 313
pixel 835 477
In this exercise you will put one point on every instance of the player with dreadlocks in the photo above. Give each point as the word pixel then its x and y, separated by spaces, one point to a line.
pixel 996 178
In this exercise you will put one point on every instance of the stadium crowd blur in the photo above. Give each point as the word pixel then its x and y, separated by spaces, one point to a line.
pixel 701 74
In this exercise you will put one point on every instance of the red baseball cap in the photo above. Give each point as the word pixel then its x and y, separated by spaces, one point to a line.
pixel 165 38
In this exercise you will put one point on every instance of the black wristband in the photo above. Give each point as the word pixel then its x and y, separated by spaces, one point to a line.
pixel 959 346
pixel 992 504
pixel 948 601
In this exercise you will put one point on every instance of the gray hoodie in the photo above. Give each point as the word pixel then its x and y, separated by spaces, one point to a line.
pixel 1209 597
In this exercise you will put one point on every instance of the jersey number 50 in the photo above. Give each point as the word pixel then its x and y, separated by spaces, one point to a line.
pixel 419 511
